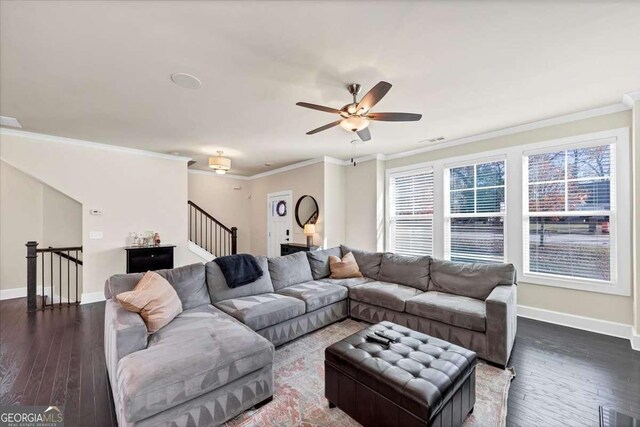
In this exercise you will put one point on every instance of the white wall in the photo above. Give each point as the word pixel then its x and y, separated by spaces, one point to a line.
pixel 635 144
pixel 301 181
pixel 335 204
pixel 364 212
pixel 136 191
pixel 220 197
pixel 37 212
pixel 20 222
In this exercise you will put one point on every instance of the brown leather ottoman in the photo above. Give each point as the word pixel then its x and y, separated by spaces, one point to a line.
pixel 416 381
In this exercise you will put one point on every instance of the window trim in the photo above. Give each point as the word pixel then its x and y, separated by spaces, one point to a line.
pixel 618 139
pixel 406 171
pixel 447 201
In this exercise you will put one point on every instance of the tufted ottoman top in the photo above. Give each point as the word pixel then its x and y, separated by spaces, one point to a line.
pixel 418 372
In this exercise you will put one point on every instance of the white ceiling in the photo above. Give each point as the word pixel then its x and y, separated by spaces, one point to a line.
pixel 100 71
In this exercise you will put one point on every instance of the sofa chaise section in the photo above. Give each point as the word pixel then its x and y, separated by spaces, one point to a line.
pixel 202 368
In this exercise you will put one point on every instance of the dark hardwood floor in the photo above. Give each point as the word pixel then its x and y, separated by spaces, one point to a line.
pixel 562 374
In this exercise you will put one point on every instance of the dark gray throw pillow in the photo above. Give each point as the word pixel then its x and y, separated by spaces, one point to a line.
pixel 405 270
pixel 289 270
pixel 469 280
pixel 369 262
pixel 319 262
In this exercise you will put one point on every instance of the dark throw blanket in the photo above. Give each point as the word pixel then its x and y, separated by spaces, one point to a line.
pixel 240 269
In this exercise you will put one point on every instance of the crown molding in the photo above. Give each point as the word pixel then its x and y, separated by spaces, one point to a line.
pixel 90 144
pixel 630 98
pixel 601 111
pixel 288 168
pixel 333 161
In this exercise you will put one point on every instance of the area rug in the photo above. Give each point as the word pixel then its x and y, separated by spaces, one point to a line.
pixel 299 387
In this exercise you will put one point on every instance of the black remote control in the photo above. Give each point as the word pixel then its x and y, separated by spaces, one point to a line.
pixel 385 336
pixel 377 339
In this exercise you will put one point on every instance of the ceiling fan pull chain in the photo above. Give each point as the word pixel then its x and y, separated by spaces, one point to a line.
pixel 353 152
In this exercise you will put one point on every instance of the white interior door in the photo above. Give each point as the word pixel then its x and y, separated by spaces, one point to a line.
pixel 279 221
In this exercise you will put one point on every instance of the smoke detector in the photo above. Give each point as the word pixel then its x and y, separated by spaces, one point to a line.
pixel 186 81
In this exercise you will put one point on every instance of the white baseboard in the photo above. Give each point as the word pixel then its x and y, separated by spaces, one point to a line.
pixel 13 293
pixel 200 252
pixel 89 297
pixel 590 324
pixel 635 340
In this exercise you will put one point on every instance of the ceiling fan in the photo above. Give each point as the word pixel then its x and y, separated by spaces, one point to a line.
pixel 355 117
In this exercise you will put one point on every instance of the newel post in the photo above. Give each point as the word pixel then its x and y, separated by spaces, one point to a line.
pixel 234 240
pixel 32 271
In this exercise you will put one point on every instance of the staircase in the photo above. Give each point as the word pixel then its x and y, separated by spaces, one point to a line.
pixel 210 234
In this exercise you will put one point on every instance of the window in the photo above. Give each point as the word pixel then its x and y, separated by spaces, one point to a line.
pixel 569 212
pixel 475 212
pixel 410 226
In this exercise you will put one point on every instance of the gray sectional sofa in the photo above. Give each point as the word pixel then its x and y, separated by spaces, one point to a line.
pixel 215 360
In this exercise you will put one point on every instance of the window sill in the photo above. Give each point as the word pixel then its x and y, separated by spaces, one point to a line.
pixel 611 288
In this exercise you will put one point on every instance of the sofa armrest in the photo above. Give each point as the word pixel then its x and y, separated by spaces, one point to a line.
pixel 502 319
pixel 124 333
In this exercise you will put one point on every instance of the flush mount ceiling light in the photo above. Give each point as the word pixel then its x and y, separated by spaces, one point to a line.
pixel 220 164
pixel 9 121
pixel 186 80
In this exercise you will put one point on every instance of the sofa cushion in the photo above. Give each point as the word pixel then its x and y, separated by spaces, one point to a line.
pixel 289 270
pixel 383 294
pixel 188 281
pixel 369 262
pixel 261 311
pixel 154 299
pixel 316 294
pixel 469 280
pixel 220 291
pixel 465 312
pixel 319 261
pixel 201 350
pixel 405 270
pixel 348 283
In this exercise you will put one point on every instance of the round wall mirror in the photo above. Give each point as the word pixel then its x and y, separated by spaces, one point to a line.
pixel 306 210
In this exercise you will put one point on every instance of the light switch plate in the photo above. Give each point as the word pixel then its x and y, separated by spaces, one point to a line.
pixel 95 235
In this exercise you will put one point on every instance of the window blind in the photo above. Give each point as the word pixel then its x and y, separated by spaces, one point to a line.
pixel 410 216
pixel 474 220
pixel 569 210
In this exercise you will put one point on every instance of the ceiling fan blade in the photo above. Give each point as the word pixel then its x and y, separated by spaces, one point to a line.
pixel 318 107
pixel 395 117
pixel 374 96
pixel 364 134
pixel 325 127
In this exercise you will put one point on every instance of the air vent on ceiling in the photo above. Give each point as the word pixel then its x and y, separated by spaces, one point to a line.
pixel 436 139
pixel 9 121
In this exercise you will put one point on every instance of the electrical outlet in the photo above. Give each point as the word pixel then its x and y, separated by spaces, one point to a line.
pixel 95 235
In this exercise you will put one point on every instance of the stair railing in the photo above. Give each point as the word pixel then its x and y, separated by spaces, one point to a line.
pixel 210 234
pixel 59 275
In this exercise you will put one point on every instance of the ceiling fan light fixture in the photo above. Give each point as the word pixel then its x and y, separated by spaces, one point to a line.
pixel 220 164
pixel 354 123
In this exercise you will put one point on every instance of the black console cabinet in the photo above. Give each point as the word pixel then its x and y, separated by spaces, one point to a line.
pixel 289 248
pixel 143 259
